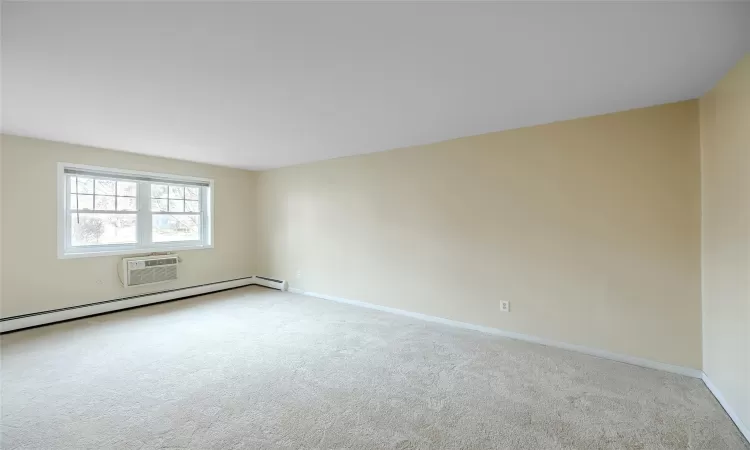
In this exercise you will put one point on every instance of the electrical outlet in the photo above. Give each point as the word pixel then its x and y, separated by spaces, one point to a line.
pixel 299 273
pixel 505 306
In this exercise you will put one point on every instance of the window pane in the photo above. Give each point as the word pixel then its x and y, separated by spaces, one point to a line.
pixel 191 206
pixel 159 205
pixel 85 201
pixel 177 192
pixel 104 187
pixel 126 204
pixel 169 228
pixel 103 203
pixel 102 229
pixel 176 206
pixel 127 188
pixel 159 191
pixel 192 193
pixel 73 201
pixel 84 185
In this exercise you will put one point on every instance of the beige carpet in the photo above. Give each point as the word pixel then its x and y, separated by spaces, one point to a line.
pixel 254 368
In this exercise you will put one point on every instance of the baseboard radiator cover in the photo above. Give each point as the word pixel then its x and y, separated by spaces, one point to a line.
pixel 272 283
pixel 633 360
pixel 14 323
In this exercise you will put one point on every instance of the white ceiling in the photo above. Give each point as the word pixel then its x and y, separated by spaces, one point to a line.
pixel 274 84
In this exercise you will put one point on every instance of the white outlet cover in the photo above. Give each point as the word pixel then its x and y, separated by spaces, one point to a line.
pixel 505 306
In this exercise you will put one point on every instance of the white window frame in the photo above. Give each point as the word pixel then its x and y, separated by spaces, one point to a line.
pixel 66 250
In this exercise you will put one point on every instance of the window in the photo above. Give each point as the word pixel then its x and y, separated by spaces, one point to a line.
pixel 108 211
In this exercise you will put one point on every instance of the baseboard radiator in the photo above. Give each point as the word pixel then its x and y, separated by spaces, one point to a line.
pixel 20 322
pixel 271 283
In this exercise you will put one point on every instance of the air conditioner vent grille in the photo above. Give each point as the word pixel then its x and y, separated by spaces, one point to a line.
pixel 153 275
pixel 150 270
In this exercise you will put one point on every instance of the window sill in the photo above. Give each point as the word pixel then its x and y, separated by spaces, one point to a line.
pixel 131 251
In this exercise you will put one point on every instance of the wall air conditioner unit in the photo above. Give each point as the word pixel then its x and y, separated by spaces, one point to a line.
pixel 149 270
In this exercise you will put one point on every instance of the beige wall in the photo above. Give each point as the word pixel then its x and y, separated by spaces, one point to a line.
pixel 590 228
pixel 34 279
pixel 1 224
pixel 725 142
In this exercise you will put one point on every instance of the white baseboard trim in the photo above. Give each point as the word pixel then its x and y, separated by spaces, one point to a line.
pixel 744 429
pixel 43 318
pixel 687 371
